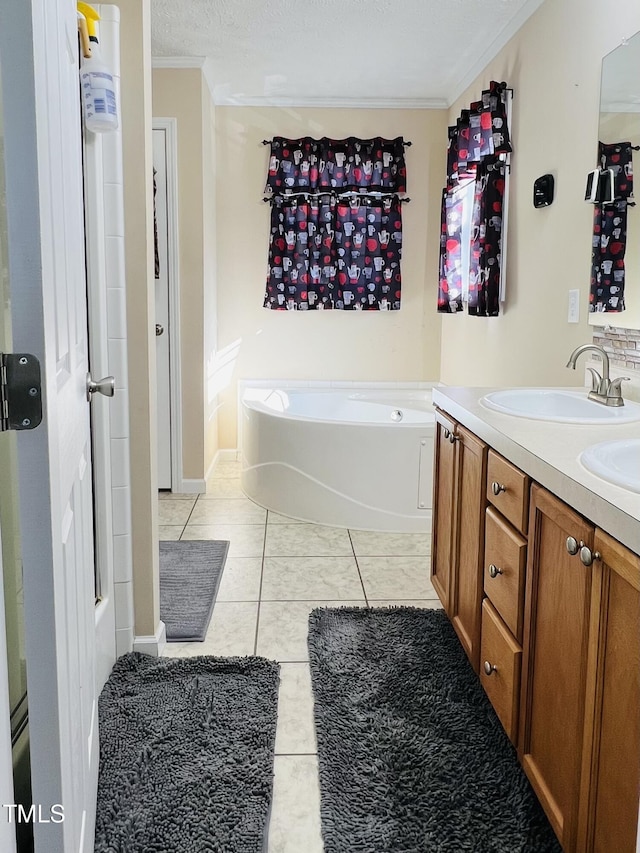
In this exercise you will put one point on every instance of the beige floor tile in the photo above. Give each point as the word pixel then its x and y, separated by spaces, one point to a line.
pixel 283 627
pixel 240 579
pixel 426 603
pixel 295 815
pixel 368 544
pixel 306 540
pixel 175 511
pixel 223 487
pixel 228 511
pixel 226 468
pixel 276 518
pixel 247 540
pixel 296 730
pixel 396 577
pixel 309 578
pixel 231 633
pixel 170 532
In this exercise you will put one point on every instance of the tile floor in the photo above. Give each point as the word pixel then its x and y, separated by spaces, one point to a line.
pixel 277 571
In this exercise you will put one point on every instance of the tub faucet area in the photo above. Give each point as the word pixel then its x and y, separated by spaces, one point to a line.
pixel 603 389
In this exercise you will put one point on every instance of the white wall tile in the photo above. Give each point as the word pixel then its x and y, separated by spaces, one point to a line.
pixel 122 562
pixel 120 464
pixel 121 503
pixel 113 210
pixel 116 313
pixel 124 604
pixel 119 416
pixel 124 641
pixel 114 254
pixel 118 362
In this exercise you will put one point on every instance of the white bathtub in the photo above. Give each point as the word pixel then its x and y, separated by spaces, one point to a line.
pixel 355 457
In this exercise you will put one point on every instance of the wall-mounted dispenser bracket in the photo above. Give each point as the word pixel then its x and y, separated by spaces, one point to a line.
pixel 20 391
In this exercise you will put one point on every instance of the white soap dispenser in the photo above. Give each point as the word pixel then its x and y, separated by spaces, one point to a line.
pixel 97 89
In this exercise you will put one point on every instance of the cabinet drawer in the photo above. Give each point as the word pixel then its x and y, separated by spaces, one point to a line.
pixel 505 559
pixel 502 656
pixel 512 487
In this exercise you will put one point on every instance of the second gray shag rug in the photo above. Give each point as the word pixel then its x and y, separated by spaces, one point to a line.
pixel 190 572
pixel 412 756
pixel 186 755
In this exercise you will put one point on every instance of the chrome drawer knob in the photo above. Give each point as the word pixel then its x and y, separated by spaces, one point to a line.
pixel 494 571
pixel 587 556
pixel 496 488
pixel 453 438
pixel 446 433
pixel 489 668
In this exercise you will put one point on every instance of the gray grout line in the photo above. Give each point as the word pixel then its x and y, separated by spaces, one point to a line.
pixel 355 557
pixel 264 547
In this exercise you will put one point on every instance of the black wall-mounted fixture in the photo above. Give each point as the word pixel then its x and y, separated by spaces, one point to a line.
pixel 543 191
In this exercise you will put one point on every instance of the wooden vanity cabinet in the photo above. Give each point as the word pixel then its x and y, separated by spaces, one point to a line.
pixel 611 749
pixel 458 529
pixel 556 634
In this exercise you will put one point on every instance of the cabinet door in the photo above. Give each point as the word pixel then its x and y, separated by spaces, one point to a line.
pixel 556 631
pixel 444 521
pixel 468 557
pixel 611 763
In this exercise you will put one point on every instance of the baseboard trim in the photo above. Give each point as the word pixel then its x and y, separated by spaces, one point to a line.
pixel 193 487
pixel 151 644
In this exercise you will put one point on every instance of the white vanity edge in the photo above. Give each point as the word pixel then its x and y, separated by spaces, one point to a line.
pixel 548 452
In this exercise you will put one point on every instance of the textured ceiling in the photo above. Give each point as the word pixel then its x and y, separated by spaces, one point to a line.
pixel 324 50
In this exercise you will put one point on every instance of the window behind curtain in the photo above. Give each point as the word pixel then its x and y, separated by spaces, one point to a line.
pixel 336 224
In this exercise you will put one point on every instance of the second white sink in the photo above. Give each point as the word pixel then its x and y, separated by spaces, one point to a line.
pixel 617 462
pixel 556 404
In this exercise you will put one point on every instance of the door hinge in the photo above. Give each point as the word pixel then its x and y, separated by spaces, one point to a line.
pixel 20 391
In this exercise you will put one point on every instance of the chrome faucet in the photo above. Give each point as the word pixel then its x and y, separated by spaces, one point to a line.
pixel 603 389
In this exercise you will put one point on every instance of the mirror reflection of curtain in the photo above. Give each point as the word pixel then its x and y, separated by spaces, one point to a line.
pixel 610 231
pixel 471 226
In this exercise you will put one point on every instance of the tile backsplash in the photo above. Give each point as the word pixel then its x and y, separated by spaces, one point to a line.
pixel 623 348
pixel 621 345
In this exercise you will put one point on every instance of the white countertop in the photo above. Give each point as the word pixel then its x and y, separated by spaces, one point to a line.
pixel 548 452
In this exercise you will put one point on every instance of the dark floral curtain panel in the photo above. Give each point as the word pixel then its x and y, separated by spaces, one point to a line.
pixel 472 207
pixel 610 231
pixel 336 224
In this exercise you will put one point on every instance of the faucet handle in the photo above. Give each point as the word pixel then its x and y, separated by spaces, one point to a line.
pixel 596 379
pixel 614 386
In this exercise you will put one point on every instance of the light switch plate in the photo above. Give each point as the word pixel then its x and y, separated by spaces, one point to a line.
pixel 574 306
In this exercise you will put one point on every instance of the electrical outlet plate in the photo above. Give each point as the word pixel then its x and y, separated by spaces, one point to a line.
pixel 574 306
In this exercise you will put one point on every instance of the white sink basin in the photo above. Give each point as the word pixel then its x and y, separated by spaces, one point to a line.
pixel 618 462
pixel 555 404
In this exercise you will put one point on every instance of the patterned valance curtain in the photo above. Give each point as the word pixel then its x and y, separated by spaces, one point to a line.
pixel 610 231
pixel 336 224
pixel 472 207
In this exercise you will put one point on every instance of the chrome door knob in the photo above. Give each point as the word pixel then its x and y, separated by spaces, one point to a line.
pixel 159 330
pixel 106 386
pixel 572 545
pixel 489 668
pixel 496 488
pixel 494 571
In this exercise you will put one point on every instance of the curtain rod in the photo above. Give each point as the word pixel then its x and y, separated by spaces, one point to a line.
pixel 406 144
pixel 374 195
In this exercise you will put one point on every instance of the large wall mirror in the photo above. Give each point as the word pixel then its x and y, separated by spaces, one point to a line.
pixel 620 122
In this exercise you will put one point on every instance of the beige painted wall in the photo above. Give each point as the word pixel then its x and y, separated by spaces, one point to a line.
pixel 177 93
pixel 135 46
pixel 255 342
pixel 553 63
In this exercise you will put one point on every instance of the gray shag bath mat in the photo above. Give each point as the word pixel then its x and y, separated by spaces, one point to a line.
pixel 186 755
pixel 412 756
pixel 190 573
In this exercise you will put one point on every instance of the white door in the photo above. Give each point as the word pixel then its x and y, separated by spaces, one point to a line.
pixel 38 44
pixel 162 310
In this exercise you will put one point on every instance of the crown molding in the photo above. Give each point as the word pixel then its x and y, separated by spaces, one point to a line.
pixel 507 33
pixel 619 107
pixel 332 103
pixel 177 61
